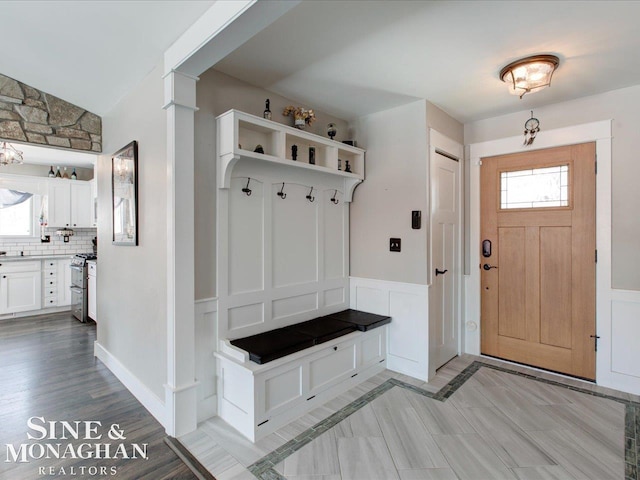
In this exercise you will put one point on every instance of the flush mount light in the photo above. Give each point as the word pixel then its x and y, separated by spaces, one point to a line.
pixel 529 74
pixel 9 155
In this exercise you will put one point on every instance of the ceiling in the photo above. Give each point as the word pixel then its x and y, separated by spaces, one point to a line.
pixel 349 58
pixel 353 58
pixel 90 53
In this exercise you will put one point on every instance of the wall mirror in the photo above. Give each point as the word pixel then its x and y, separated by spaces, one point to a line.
pixel 124 187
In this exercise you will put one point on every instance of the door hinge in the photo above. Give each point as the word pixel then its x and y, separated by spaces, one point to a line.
pixel 596 166
pixel 595 341
pixel 596 255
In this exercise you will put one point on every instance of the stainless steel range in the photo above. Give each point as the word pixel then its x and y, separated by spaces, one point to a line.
pixel 79 285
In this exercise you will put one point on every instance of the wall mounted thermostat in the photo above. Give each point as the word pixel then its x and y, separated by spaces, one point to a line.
pixel 416 219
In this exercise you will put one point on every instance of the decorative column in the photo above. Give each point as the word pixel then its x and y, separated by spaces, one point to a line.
pixel 180 389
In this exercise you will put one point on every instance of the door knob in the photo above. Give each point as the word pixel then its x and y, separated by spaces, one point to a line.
pixel 486 266
pixel 440 272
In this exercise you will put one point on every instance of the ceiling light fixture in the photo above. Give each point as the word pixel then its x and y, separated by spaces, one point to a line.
pixel 9 155
pixel 529 74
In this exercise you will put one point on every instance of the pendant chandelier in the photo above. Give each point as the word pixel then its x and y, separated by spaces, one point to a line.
pixel 529 74
pixel 9 155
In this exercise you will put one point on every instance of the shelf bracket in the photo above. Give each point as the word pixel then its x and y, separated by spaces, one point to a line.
pixel 227 162
pixel 350 185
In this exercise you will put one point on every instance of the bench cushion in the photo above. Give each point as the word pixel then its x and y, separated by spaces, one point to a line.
pixel 323 329
pixel 268 346
pixel 362 320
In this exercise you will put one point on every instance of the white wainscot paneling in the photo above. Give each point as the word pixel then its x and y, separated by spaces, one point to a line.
pixel 245 315
pixel 295 237
pixel 625 332
pixel 333 238
pixel 246 237
pixel 334 296
pixel 407 305
pixel 289 306
pixel 206 320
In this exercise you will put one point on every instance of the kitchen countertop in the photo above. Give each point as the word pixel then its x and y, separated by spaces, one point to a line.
pixel 17 258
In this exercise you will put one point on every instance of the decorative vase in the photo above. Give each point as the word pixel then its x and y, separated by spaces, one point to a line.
pixel 299 123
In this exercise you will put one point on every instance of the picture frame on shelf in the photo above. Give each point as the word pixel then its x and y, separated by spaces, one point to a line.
pixel 124 192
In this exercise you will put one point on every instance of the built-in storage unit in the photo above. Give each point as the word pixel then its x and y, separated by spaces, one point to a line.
pixel 259 399
pixel 70 203
pixel 283 258
pixel 20 286
pixel 56 282
pixel 93 290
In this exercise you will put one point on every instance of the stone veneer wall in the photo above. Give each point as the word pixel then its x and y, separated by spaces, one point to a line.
pixel 32 116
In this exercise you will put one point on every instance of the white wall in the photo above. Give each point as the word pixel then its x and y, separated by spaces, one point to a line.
pixel 216 93
pixel 133 280
pixel 395 184
pixel 622 106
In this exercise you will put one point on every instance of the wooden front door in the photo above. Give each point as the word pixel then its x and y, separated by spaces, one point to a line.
pixel 538 258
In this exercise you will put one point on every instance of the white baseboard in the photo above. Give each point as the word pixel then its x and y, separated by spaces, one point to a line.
pixel 408 305
pixel 145 396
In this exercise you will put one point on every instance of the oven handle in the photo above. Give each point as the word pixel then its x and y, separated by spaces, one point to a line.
pixel 76 267
pixel 75 289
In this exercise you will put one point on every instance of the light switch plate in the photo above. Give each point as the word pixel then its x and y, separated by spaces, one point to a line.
pixel 394 244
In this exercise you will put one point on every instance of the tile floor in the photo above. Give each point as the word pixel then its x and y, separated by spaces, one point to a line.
pixel 478 419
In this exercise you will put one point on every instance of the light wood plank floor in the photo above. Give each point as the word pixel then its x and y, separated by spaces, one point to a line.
pixel 495 425
pixel 48 370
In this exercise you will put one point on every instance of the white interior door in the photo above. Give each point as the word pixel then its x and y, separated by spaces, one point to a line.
pixel 443 293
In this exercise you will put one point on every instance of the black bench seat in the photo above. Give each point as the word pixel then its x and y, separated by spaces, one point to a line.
pixel 362 320
pixel 268 346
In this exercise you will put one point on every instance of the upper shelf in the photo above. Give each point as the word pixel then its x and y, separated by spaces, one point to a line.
pixel 239 133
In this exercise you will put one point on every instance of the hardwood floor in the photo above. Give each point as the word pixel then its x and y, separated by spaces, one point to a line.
pixel 48 370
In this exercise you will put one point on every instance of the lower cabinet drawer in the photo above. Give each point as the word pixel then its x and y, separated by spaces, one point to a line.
pixel 49 291
pixel 50 301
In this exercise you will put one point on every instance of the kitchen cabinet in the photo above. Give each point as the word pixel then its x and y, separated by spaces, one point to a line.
pixel 20 287
pixel 92 285
pixel 70 204
pixel 56 282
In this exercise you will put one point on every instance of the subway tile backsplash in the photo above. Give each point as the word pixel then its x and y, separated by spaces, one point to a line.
pixel 80 242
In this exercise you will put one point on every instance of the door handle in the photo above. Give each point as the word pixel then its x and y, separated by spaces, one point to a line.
pixel 440 272
pixel 486 266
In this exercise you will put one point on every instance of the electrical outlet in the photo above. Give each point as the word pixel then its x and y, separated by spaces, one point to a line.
pixel 394 244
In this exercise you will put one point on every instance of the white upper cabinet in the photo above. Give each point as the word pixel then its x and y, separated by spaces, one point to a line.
pixel 70 204
pixel 81 205
pixel 59 204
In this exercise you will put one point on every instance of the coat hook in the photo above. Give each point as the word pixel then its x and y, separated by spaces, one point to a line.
pixel 334 200
pixel 309 197
pixel 281 193
pixel 246 189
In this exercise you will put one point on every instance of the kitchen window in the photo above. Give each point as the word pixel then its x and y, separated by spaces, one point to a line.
pixel 17 217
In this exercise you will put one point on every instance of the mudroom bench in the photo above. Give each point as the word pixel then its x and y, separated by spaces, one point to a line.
pixel 269 379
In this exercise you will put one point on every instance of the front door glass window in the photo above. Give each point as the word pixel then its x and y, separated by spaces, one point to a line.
pixel 536 188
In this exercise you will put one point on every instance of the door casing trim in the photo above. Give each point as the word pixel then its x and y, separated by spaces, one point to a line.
pixel 598 132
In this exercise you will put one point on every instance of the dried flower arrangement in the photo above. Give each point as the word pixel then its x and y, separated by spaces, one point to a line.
pixel 300 114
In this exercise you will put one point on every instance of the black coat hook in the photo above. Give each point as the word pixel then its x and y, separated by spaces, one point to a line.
pixel 334 200
pixel 246 189
pixel 309 197
pixel 281 193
